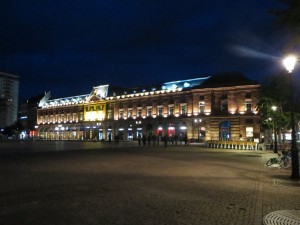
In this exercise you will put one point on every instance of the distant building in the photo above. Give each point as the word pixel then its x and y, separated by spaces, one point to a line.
pixel 9 99
pixel 28 114
pixel 220 107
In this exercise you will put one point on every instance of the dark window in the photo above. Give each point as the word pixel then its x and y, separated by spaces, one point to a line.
pixel 201 97
pixel 248 95
pixel 224 107
pixel 249 121
pixel 224 96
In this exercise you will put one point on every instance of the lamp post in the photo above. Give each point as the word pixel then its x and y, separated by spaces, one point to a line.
pixel 289 63
pixel 198 121
pixel 274 108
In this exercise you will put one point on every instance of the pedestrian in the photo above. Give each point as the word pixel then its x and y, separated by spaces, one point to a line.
pixel 139 139
pixel 176 138
pixel 185 140
pixel 157 139
pixel 154 139
pixel 172 139
pixel 149 140
pixel 144 139
pixel 109 137
pixel 166 140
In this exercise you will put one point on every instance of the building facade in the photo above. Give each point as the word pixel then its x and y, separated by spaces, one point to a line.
pixel 9 99
pixel 221 107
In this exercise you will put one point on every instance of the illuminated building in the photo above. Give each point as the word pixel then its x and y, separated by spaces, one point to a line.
pixel 206 108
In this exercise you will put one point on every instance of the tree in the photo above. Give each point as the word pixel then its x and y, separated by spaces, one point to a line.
pixel 289 19
pixel 275 91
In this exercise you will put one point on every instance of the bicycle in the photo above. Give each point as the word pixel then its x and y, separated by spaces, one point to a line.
pixel 283 160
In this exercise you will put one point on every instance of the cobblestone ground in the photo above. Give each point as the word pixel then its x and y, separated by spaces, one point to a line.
pixel 147 185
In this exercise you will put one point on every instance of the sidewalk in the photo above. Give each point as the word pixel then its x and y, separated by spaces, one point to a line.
pixel 280 194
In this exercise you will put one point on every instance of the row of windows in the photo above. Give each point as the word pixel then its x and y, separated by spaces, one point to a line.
pixel 61 118
pixel 183 111
pixel 149 111
pixel 94 108
pixel 171 101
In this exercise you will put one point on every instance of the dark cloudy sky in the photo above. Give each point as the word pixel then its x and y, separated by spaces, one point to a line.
pixel 69 46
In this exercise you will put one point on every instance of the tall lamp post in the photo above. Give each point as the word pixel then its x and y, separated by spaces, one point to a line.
pixel 274 108
pixel 289 63
pixel 198 121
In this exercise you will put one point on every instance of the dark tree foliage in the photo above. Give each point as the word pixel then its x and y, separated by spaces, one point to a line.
pixel 289 15
pixel 277 88
pixel 14 129
pixel 276 91
pixel 288 18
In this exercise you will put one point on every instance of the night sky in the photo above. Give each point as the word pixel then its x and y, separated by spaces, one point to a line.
pixel 67 47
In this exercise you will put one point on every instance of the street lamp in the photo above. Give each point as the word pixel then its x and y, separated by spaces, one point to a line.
pixel 274 108
pixel 289 63
pixel 198 121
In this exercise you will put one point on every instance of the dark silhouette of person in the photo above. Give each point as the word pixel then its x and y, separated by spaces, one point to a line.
pixel 176 139
pixel 149 140
pixel 139 139
pixel 154 139
pixel 166 140
pixel 109 137
pixel 144 139
pixel 185 140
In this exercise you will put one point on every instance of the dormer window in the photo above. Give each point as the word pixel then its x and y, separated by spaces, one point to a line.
pixel 224 96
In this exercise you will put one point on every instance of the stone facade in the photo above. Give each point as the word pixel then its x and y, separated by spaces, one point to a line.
pixel 199 108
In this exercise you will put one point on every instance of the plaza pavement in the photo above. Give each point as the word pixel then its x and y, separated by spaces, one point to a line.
pixel 95 183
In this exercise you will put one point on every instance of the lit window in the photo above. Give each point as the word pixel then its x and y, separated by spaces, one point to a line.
pixel 201 107
pixel 149 111
pixel 129 113
pixel 109 114
pixel 74 117
pixel 183 109
pixel 171 110
pixel 248 106
pixel 249 131
pixel 139 112
pixel 121 113
pixel 160 110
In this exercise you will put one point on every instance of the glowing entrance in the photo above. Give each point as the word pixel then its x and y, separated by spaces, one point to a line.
pixel 224 130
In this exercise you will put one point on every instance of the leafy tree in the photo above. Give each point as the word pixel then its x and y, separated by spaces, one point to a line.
pixel 275 91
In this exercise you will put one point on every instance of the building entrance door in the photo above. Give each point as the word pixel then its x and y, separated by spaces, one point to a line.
pixel 224 130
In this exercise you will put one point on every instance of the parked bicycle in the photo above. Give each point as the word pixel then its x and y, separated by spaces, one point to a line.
pixel 282 160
